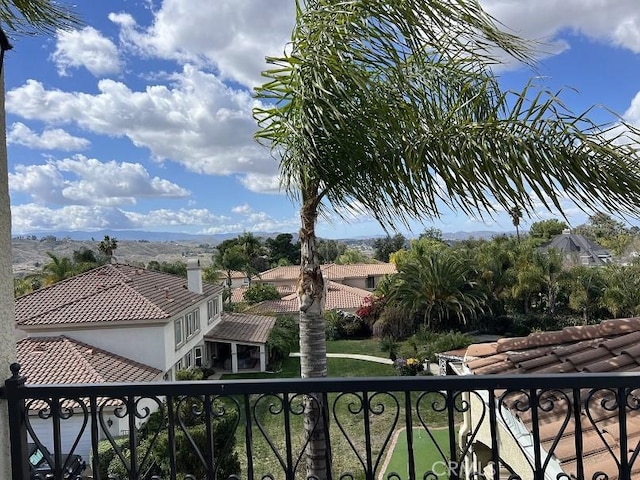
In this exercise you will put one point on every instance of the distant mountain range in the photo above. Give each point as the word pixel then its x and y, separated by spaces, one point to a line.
pixel 219 237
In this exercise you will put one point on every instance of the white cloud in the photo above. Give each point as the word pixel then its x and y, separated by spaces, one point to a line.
pixel 86 48
pixel 87 181
pixel 261 183
pixel 242 209
pixel 49 139
pixel 198 121
pixel 37 218
pixel 234 36
pixel 612 21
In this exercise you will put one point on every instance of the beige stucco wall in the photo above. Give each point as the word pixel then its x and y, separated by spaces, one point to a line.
pixel 510 451
pixel 7 308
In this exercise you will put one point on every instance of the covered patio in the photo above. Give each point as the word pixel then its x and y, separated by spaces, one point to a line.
pixel 238 343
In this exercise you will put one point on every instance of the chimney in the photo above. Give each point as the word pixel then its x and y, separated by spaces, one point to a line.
pixel 194 275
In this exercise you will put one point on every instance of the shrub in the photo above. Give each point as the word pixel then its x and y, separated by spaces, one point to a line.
pixel 388 344
pixel 260 292
pixel 106 453
pixel 344 325
pixel 445 342
pixel 394 322
pixel 189 374
pixel 282 339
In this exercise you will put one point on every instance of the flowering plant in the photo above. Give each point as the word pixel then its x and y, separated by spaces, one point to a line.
pixel 408 366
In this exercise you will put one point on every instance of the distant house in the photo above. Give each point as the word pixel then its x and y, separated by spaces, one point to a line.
pixel 578 249
pixel 365 276
pixel 338 297
pixel 157 319
pixel 612 346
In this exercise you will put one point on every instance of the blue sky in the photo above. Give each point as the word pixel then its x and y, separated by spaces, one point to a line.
pixel 142 119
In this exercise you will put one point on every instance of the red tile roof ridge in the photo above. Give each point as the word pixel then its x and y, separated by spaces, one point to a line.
pixel 604 329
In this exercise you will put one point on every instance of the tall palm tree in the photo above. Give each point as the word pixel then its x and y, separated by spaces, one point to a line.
pixel 516 214
pixel 394 106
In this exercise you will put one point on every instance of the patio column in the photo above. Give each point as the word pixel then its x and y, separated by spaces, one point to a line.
pixel 263 358
pixel 7 306
pixel 234 357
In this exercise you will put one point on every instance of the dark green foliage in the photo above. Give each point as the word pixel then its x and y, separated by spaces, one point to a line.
pixel 444 342
pixel 545 230
pixel 391 346
pixel 282 340
pixel 260 292
pixel 189 423
pixel 174 268
pixel 345 325
pixel 388 245
pixel 189 374
pixel 106 453
pixel 330 250
pixel 282 248
pixel 394 323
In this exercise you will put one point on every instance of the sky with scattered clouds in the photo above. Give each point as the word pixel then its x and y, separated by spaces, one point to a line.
pixel 142 118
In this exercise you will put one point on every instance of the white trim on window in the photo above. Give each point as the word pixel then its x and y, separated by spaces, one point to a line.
pixel 192 323
pixel 178 330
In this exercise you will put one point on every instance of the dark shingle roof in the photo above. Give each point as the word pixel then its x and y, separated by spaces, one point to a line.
pixel 110 293
pixel 239 327
pixel 571 243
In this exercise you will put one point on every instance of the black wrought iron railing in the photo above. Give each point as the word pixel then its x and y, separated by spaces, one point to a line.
pixel 573 426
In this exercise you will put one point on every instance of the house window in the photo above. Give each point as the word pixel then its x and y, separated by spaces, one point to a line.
pixel 213 308
pixel 179 333
pixel 178 365
pixel 188 360
pixel 371 282
pixel 197 356
pixel 192 323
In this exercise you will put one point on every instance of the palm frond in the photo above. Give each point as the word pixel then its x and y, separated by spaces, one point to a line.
pixel 394 105
pixel 30 17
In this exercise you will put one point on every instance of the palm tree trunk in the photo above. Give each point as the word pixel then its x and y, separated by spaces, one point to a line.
pixel 313 348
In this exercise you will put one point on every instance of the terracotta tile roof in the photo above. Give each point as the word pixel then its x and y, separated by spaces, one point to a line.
pixel 330 271
pixel 62 360
pixel 242 327
pixel 110 293
pixel 237 294
pixel 339 297
pixel 611 346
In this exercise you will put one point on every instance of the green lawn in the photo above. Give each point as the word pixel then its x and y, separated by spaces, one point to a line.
pixel 367 346
pixel 427 457
pixel 337 367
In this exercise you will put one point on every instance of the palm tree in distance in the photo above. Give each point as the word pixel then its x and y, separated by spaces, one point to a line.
pixel 393 106
pixel 516 214
pixel 107 246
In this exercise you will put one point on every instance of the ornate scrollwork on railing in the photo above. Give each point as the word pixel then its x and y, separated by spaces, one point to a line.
pixel 203 422
pixel 605 400
pixel 531 408
pixel 429 404
pixel 134 411
pixel 57 411
pixel 368 407
pixel 288 449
